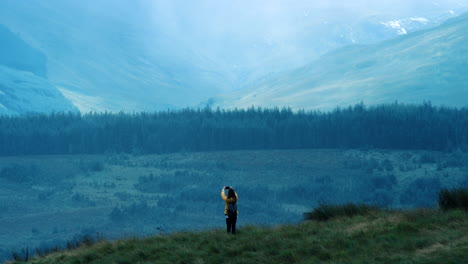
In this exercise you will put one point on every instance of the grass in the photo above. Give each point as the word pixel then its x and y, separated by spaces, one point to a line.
pixel 417 236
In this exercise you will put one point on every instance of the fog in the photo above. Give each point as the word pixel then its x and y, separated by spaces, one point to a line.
pixel 141 55
pixel 242 31
pixel 255 33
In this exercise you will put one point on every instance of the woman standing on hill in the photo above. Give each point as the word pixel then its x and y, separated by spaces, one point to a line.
pixel 230 209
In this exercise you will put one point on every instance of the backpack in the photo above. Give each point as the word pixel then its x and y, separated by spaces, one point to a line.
pixel 232 209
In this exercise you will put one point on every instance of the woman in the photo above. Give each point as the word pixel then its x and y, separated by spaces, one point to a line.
pixel 230 209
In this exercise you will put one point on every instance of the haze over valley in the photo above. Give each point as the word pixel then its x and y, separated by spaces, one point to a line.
pixel 153 55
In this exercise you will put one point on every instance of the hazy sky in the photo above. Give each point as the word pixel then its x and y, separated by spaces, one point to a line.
pixel 248 35
pixel 219 16
pixel 198 43
pixel 220 25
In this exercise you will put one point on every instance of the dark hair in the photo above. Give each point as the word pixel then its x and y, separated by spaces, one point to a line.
pixel 231 193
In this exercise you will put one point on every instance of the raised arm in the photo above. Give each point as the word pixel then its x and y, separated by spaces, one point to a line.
pixel 223 195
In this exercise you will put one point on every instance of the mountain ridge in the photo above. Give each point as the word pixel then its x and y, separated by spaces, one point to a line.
pixel 373 74
pixel 142 56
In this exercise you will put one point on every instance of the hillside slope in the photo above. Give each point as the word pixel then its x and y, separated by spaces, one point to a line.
pixel 106 58
pixel 22 92
pixel 420 236
pixel 24 86
pixel 18 55
pixel 426 65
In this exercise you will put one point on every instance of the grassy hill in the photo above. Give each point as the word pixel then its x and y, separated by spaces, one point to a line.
pixel 47 200
pixel 416 236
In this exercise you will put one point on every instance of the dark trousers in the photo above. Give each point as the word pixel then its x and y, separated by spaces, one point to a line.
pixel 231 223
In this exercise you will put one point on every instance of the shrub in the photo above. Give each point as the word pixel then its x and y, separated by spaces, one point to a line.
pixel 456 198
pixel 421 192
pixel 116 215
pixel 23 255
pixel 371 165
pixel 84 240
pixel 44 251
pixel 136 212
pixel 354 164
pixel 456 159
pixel 91 166
pixel 165 182
pixel 428 157
pixel 20 173
pixel 326 212
pixel 384 181
pixel 82 200
pixel 387 165
pixel 123 196
pixel 44 195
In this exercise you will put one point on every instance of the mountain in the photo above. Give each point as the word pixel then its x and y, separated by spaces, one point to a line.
pixel 22 92
pixel 106 58
pixel 18 55
pixel 425 65
pixel 23 82
pixel 138 55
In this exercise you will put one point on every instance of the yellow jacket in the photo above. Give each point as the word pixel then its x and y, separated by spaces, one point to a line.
pixel 228 200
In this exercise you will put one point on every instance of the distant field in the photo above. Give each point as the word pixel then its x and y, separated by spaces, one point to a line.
pixel 46 200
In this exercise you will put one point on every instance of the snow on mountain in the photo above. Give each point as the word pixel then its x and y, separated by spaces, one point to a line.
pixel 396 24
pixel 420 19
pixel 404 25
pixel 429 65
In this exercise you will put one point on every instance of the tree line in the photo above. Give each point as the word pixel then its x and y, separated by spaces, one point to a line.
pixel 389 126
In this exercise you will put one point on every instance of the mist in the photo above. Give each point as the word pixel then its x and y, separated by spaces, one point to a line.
pixel 243 33
pixel 142 55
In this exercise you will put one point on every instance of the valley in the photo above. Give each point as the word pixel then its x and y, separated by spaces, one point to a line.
pixel 47 200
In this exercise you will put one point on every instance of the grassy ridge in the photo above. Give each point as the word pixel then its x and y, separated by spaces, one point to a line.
pixel 417 236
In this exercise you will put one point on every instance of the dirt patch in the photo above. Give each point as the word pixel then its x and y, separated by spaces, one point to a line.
pixel 430 249
pixel 358 227
pixel 364 226
pixel 438 246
